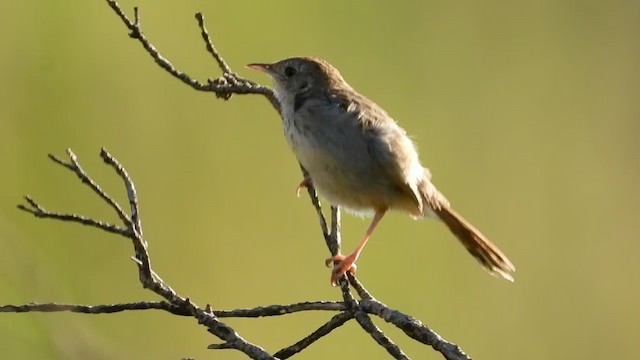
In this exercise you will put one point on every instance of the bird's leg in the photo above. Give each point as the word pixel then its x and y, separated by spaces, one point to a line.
pixel 305 183
pixel 342 263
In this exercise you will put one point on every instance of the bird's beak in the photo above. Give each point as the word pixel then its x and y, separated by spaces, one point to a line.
pixel 265 68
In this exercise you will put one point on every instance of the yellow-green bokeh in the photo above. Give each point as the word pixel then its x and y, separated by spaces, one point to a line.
pixel 527 113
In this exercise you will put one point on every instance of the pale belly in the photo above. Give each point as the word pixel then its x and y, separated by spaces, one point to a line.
pixel 342 170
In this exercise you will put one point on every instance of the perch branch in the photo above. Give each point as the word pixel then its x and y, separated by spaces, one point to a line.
pixel 260 311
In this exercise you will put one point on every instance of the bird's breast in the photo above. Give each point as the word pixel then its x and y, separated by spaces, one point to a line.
pixel 336 157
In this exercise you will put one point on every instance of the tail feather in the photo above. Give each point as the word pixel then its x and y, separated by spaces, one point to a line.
pixel 483 250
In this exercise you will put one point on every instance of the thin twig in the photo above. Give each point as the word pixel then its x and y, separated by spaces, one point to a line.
pixel 38 211
pixel 277 310
pixel 365 322
pixel 210 48
pixel 335 241
pixel 94 309
pixel 360 289
pixel 75 167
pixel 132 195
pixel 326 328
pixel 315 202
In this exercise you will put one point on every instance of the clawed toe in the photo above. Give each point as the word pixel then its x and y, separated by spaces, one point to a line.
pixel 305 183
pixel 342 264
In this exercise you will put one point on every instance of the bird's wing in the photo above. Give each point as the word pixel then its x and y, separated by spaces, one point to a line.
pixel 388 144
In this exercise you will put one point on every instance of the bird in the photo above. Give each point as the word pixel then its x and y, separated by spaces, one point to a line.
pixel 359 158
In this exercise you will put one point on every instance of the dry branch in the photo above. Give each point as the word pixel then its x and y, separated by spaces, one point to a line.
pixel 228 84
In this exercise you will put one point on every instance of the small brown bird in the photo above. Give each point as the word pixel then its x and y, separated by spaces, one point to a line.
pixel 360 159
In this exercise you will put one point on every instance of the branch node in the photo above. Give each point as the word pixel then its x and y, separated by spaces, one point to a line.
pixel 72 156
pixel 59 161
pixel 136 16
pixel 134 27
pixel 34 208
pixel 208 309
pixel 221 84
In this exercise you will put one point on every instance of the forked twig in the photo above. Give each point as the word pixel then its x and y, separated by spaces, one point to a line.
pixel 223 87
pixel 177 304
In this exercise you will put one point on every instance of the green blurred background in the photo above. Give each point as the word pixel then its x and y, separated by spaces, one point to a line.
pixel 527 113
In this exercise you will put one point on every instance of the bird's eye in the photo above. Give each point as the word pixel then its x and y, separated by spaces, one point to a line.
pixel 289 71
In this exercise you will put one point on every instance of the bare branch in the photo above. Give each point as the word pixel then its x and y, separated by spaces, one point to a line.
pixel 75 167
pixel 329 326
pixel 415 329
pixel 360 289
pixel 277 310
pixel 210 48
pixel 148 277
pixel 228 84
pixel 94 309
pixel 365 322
pixel 260 311
pixel 135 32
pixel 315 202
pixel 335 242
pixel 131 190
pixel 38 211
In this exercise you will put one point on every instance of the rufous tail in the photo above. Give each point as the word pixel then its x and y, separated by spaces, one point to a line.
pixel 483 250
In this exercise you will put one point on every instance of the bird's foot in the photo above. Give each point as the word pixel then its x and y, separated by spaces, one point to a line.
pixel 305 183
pixel 342 264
